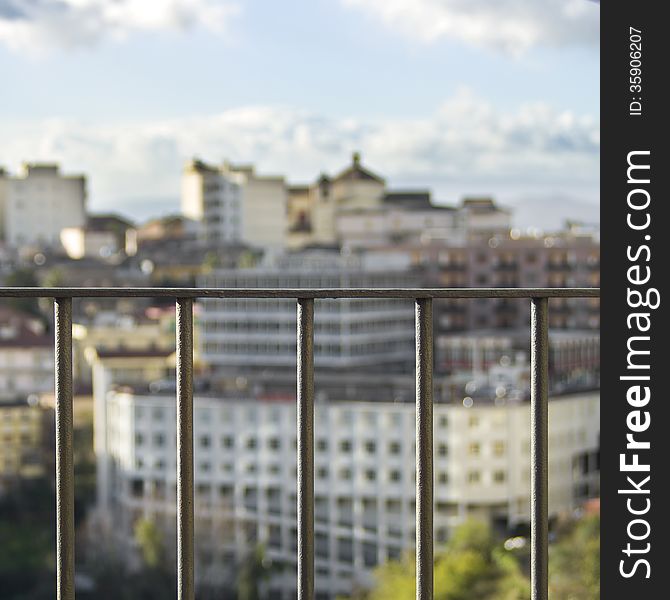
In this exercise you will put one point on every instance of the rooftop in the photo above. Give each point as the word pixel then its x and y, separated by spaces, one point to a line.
pixel 356 172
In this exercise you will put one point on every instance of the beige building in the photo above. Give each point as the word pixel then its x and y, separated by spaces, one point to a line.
pixel 152 329
pixel 264 200
pixel 22 431
pixel 313 210
pixel 103 237
pixel 356 211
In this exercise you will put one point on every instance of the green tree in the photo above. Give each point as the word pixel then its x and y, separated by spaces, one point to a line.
pixel 254 570
pixel 574 562
pixel 23 278
pixel 150 540
pixel 472 566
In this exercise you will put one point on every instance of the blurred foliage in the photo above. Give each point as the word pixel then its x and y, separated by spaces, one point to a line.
pixel 472 566
pixel 23 278
pixel 27 541
pixel 150 541
pixel 252 572
pixel 574 562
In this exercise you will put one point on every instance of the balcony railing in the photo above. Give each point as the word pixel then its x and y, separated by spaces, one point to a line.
pixel 539 299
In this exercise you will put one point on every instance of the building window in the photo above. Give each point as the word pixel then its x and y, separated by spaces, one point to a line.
pixel 499 448
pixel 499 476
pixel 205 441
pixel 443 477
pixel 394 448
pixel 474 477
pixel 442 450
pixel 345 550
pixel 345 446
pixel 369 554
pixel 395 475
pixel 474 449
pixel 370 447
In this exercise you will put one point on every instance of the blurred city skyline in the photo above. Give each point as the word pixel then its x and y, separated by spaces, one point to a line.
pixel 499 98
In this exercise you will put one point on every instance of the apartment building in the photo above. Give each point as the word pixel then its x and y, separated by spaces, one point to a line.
pixel 566 258
pixel 351 333
pixel 39 203
pixel 114 366
pixel 213 200
pixel 150 330
pixel 245 476
pixel 26 355
pixel 410 217
pixel 232 203
pixel 574 355
pixel 22 441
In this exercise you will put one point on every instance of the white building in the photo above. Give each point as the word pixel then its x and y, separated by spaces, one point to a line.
pixel 213 200
pixel 411 218
pixel 37 204
pixel 232 203
pixel 245 477
pixel 349 333
pixel 389 224
pixel 26 355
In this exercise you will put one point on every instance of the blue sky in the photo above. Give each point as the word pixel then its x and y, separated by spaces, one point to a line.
pixel 485 96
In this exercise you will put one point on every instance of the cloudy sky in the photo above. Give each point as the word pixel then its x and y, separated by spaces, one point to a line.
pixel 461 96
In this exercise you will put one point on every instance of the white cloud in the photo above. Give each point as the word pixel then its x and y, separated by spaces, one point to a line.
pixel 467 144
pixel 513 26
pixel 35 26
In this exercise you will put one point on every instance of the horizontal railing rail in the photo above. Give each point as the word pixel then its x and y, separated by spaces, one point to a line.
pixel 196 293
pixel 184 297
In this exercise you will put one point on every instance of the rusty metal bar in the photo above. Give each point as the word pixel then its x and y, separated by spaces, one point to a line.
pixel 64 458
pixel 192 293
pixel 305 383
pixel 539 413
pixel 424 449
pixel 305 458
pixel 185 536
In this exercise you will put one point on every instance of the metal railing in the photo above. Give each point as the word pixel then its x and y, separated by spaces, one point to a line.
pixel 539 298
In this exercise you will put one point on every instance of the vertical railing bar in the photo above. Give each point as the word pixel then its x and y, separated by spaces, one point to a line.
pixel 424 449
pixel 539 506
pixel 64 456
pixel 185 536
pixel 305 447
